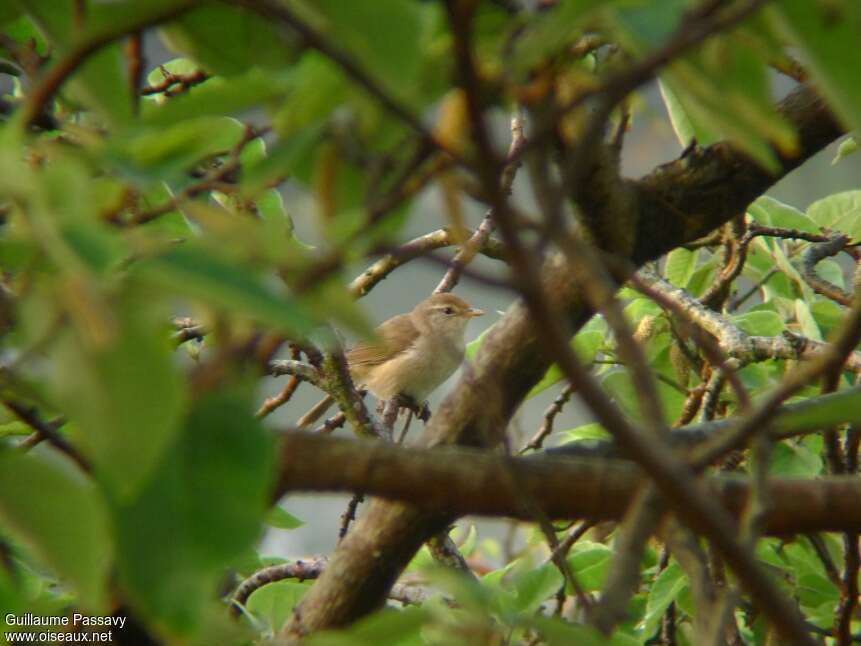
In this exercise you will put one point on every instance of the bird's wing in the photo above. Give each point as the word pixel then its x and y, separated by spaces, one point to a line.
pixel 399 333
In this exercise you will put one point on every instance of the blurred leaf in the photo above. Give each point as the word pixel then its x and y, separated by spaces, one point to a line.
pixel 319 88
pixel 280 518
pixel 794 460
pixel 535 586
pixel 274 602
pixel 230 40
pixel 828 315
pixel 759 323
pixel 388 42
pixel 831 271
pixel 559 632
pixel 703 277
pixel 590 562
pixel 619 385
pixel 686 126
pixel 389 626
pixel 125 395
pixel 200 274
pixel 202 509
pixel 280 160
pixel 8 13
pixel 666 588
pixel 847 147
pixel 828 33
pixel 100 82
pixel 176 66
pixel 551 31
pixel 680 266
pixel 770 212
pixel 593 431
pixel 585 344
pixel 170 152
pixel 221 96
pixel 815 590
pixel 840 211
pixel 641 307
pixel 47 502
pixel 806 322
pixel 719 91
pixel 473 596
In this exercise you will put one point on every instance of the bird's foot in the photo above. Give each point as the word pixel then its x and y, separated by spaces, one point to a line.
pixel 422 411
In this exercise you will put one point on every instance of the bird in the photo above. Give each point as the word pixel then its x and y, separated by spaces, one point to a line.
pixel 411 354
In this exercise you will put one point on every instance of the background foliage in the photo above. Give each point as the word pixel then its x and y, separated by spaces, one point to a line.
pixel 152 271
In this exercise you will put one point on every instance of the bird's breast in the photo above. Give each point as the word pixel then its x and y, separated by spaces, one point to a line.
pixel 416 372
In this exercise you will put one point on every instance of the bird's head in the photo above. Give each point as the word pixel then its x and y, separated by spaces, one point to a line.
pixel 445 314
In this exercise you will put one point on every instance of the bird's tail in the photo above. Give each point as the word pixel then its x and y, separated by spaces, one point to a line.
pixel 318 410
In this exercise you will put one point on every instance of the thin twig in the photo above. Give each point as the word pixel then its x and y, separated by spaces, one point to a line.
pixel 45 431
pixel 478 239
pixel 349 515
pixel 550 414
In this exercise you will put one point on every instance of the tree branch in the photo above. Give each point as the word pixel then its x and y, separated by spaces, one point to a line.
pixel 462 480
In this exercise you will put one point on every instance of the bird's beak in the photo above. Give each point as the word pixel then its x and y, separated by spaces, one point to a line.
pixel 472 312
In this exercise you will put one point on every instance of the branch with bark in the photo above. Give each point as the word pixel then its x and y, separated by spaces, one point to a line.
pixel 462 480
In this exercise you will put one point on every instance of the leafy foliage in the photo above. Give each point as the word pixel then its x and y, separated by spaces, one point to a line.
pixel 132 194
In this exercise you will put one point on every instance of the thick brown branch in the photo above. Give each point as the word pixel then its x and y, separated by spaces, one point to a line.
pixel 468 481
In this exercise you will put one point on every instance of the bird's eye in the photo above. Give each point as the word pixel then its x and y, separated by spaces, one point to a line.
pixel 449 310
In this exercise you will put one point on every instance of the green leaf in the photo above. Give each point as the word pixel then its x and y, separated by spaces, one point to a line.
pixel 723 89
pixel 828 33
pixel 680 266
pixel 666 588
pixel 200 274
pixel 593 431
pixel 815 590
pixel 274 602
pixel 388 626
pixel 641 307
pixel 806 322
pixel 559 632
pixel 549 32
pixel 840 211
pixel 100 81
pixel 590 562
pixel 176 66
pixel 123 392
pixel 280 518
pixel 49 504
pixel 828 315
pixel 618 384
pixel 202 509
pixel 169 152
pixel 281 160
pixel 319 88
pixel 686 126
pixel 585 344
pixel 230 40
pixel 847 147
pixel 761 323
pixel 831 271
pixel 221 96
pixel 388 42
pixel 771 212
pixel 794 460
pixel 534 586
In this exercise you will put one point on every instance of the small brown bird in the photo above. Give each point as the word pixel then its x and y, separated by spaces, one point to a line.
pixel 413 354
